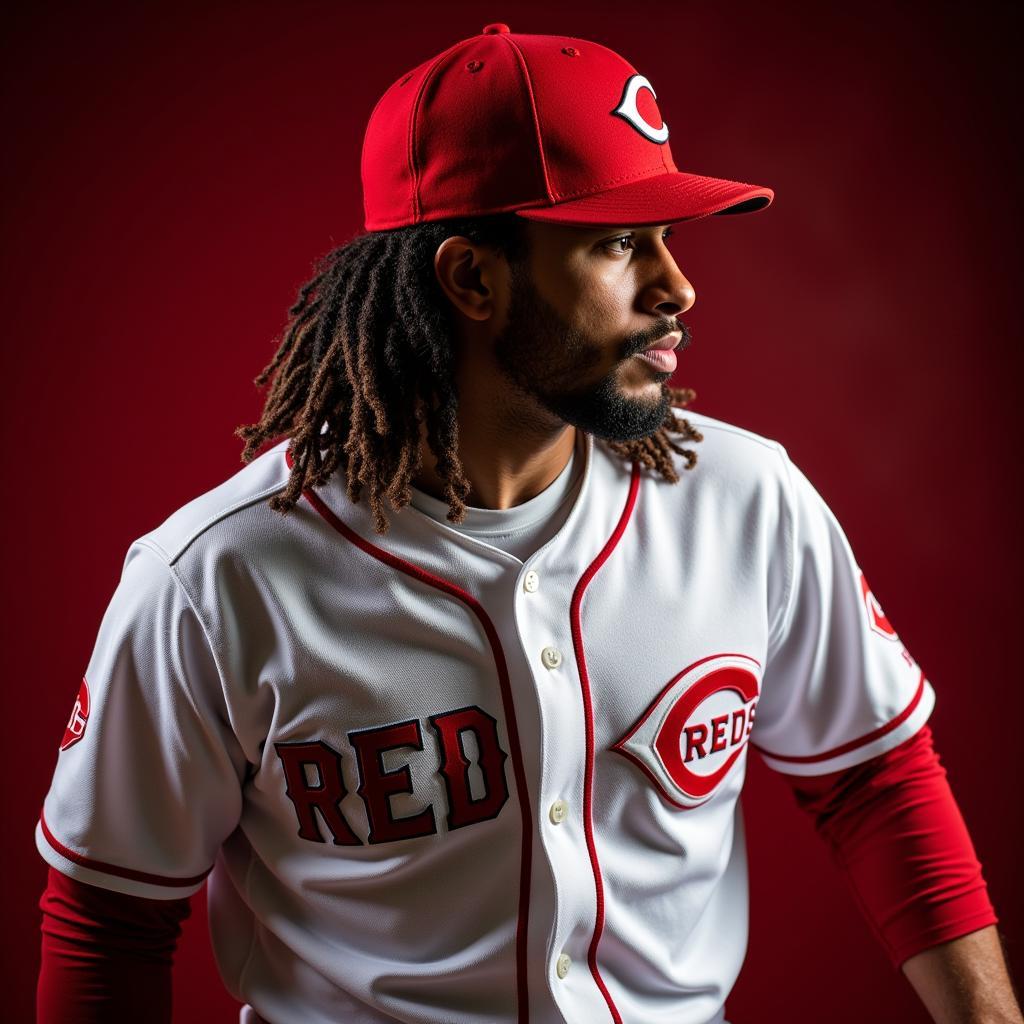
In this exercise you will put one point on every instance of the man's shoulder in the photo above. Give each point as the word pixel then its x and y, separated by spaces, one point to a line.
pixel 221 507
pixel 727 450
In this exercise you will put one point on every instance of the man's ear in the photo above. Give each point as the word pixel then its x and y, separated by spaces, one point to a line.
pixel 470 275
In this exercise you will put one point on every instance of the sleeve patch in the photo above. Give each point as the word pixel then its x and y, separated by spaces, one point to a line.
pixel 79 719
pixel 876 617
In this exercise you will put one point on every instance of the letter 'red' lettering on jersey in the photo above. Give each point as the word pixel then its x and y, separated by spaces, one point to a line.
pixel 377 786
pixel 325 795
pixel 696 736
pixel 462 808
pixel 718 740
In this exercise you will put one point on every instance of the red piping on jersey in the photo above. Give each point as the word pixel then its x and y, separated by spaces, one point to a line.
pixel 853 744
pixel 113 869
pixel 522 924
pixel 588 724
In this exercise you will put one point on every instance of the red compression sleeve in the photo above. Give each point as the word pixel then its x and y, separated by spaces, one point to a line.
pixel 895 829
pixel 106 956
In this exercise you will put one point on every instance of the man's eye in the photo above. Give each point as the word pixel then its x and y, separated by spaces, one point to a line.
pixel 666 234
pixel 621 238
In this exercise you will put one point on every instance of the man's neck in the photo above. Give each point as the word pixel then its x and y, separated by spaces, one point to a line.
pixel 502 472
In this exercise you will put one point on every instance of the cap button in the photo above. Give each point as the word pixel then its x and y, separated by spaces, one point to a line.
pixel 493 30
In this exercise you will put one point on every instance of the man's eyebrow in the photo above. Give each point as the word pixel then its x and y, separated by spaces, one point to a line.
pixel 600 229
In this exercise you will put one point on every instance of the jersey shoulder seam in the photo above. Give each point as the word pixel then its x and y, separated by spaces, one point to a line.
pixel 171 557
pixel 158 551
pixel 731 428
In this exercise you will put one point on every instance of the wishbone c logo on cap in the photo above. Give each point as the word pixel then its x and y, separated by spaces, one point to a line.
pixel 627 109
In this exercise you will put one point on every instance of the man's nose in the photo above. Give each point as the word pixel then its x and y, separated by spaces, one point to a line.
pixel 673 294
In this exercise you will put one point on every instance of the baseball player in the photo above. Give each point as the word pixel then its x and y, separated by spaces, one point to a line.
pixel 447 695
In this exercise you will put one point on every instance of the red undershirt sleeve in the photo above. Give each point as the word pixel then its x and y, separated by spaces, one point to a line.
pixel 106 956
pixel 893 826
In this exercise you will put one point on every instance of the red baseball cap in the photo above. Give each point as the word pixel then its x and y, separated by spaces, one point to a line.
pixel 557 129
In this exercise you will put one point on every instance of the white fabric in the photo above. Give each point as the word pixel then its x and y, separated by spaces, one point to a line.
pixel 525 528
pixel 686 611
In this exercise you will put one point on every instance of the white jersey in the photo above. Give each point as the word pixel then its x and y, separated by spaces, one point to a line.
pixel 439 778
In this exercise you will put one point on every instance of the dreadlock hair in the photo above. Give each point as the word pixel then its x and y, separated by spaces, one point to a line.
pixel 367 355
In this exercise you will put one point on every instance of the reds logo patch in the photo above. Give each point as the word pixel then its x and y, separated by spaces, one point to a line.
pixel 630 112
pixel 876 617
pixel 75 728
pixel 692 734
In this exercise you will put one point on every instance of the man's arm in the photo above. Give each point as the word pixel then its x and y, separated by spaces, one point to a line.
pixel 894 828
pixel 965 981
pixel 106 957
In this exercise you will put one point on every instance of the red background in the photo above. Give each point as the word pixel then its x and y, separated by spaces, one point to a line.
pixel 171 172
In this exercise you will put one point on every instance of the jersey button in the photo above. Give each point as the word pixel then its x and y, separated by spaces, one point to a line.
pixel 531 581
pixel 559 811
pixel 551 656
pixel 562 965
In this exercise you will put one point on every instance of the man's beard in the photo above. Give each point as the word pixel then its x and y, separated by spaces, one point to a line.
pixel 545 359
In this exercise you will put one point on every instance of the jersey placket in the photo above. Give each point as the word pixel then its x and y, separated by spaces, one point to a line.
pixel 549 669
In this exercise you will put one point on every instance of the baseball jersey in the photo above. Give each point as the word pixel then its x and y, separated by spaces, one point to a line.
pixel 480 773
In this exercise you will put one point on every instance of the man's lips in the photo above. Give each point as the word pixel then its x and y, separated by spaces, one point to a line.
pixel 666 344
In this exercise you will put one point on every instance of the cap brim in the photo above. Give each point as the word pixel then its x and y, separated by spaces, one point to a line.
pixel 663 199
